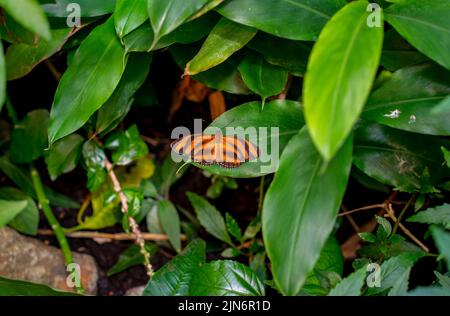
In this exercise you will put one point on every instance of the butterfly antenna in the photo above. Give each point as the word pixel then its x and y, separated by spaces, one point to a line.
pixel 182 166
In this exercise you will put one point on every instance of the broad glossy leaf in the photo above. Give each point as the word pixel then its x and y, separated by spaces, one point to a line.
pixel 129 15
pixel 28 219
pixel 395 275
pixel 297 222
pixel 127 146
pixel 131 257
pixel 442 241
pixel 29 14
pixel 340 73
pixel 398 53
pixel 225 278
pixel 63 156
pixel 410 100
pixel 166 16
pixel 10 287
pixel 289 54
pixel 87 84
pixel 351 285
pixel 261 77
pixel 293 19
pixel 29 138
pixel 209 217
pixel 22 58
pixel 174 277
pixel 118 105
pixel 275 125
pixel 10 209
pixel 408 161
pixel 89 8
pixel 226 38
pixel 433 215
pixel 425 25
pixel 170 222
pixel 94 161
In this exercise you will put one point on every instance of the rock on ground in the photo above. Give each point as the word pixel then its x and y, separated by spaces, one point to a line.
pixel 135 291
pixel 26 258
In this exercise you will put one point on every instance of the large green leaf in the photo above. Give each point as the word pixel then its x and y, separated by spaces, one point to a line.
pixel 10 287
pixel 434 215
pixel 118 105
pixel 170 222
pixel 174 277
pixel 87 84
pixel 261 77
pixel 340 72
pixel 351 285
pixel 209 217
pixel 28 219
pixel 29 138
pixel 226 38
pixel 3 75
pixel 408 161
pixel 63 156
pixel 21 58
pixel 129 15
pixel 279 121
pixel 89 8
pixel 166 16
pixel 29 14
pixel 442 240
pixel 409 100
pixel 425 24
pixel 9 210
pixel 225 278
pixel 293 19
pixel 297 222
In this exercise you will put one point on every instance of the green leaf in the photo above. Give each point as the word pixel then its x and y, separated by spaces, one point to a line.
pixel 10 287
pixel 335 89
pixel 63 156
pixel 219 45
pixel 384 228
pixel 261 77
pixel 429 291
pixel 233 227
pixel 398 158
pixel 289 54
pixel 170 222
pixel 9 210
pixel 394 275
pixel 434 215
pixel 166 16
pixel 13 32
pixel 442 241
pixel 129 15
pixel 94 161
pixel 281 119
pixel 368 237
pixel 444 280
pixel 87 84
pixel 209 217
pixel 425 25
pixel 174 277
pixel 225 278
pixel 446 155
pixel 410 100
pixel 293 19
pixel 296 224
pixel 131 257
pixel 89 8
pixel 29 14
pixel 29 138
pixel 118 105
pixel 28 219
pixel 21 58
pixel 351 285
pixel 3 74
pixel 128 146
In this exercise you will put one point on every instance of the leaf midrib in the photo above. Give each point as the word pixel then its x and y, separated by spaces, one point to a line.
pixel 311 9
pixel 435 26
pixel 404 101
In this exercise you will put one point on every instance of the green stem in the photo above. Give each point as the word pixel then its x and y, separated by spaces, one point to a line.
pixel 45 206
pixel 261 194
pixel 399 218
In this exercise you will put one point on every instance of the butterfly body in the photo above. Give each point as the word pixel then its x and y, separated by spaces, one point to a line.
pixel 225 151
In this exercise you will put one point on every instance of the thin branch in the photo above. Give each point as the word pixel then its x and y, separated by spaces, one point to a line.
pixel 390 213
pixel 109 236
pixel 55 73
pixel 133 224
pixel 368 207
pixel 403 211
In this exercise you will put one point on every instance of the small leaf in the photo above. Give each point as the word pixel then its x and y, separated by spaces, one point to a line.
pixel 442 241
pixel 434 215
pixel 233 227
pixel 9 210
pixel 131 257
pixel 446 153
pixel 219 45
pixel 28 219
pixel 384 228
pixel 10 287
pixel 368 237
pixel 225 278
pixel 351 285
pixel 209 217
pixel 170 222
pixel 127 146
pixel 63 156
pixel 94 161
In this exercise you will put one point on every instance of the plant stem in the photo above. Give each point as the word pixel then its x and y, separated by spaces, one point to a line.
pixel 45 207
pixel 405 208
pixel 11 112
pixel 261 194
